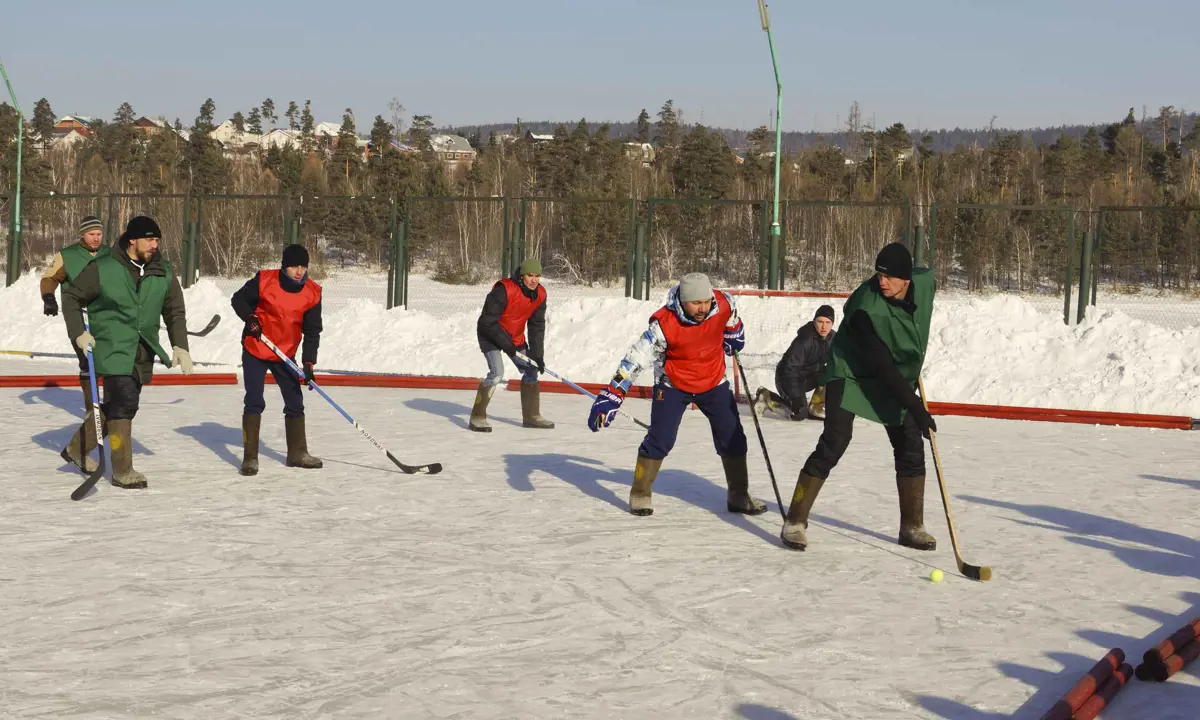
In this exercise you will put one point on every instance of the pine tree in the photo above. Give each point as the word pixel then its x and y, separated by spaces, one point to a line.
pixel 420 131
pixel 239 121
pixel 43 120
pixel 308 140
pixel 268 112
pixel 643 127
pixel 668 126
pixel 381 137
pixel 254 122
pixel 124 114
pixel 293 112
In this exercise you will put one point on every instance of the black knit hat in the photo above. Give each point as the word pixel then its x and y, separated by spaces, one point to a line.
pixel 89 222
pixel 295 256
pixel 139 227
pixel 895 260
pixel 825 311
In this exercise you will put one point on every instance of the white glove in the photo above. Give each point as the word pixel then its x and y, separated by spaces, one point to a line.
pixel 181 358
pixel 84 340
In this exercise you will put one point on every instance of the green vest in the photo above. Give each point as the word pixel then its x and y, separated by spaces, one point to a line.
pixel 121 316
pixel 77 257
pixel 905 334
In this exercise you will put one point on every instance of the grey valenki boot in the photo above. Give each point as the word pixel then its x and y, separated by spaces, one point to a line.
pixel 912 513
pixel 483 396
pixel 795 526
pixel 737 478
pixel 643 478
pixel 250 427
pixel 297 445
pixel 531 407
pixel 120 441
pixel 84 440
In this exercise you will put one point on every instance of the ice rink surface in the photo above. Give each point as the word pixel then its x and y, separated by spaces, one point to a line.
pixel 516 585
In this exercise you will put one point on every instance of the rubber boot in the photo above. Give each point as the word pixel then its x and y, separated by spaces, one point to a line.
pixel 84 439
pixel 737 478
pixel 120 440
pixel 297 445
pixel 912 513
pixel 483 396
pixel 250 427
pixel 531 407
pixel 816 405
pixel 794 533
pixel 643 477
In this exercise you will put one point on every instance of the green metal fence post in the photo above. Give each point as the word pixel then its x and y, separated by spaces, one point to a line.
pixel 197 229
pixel 1070 271
pixel 393 255
pixel 933 214
pixel 1085 274
pixel 919 248
pixel 908 228
pixel 640 290
pixel 763 246
pixel 402 269
pixel 1095 278
pixel 780 281
pixel 506 243
pixel 630 244
pixel 185 244
pixel 108 221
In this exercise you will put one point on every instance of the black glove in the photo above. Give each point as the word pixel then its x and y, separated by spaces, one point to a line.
pixel 537 361
pixel 309 371
pixel 254 327
pixel 924 420
pixel 49 304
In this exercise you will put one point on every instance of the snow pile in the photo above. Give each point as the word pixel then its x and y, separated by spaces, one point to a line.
pixel 998 350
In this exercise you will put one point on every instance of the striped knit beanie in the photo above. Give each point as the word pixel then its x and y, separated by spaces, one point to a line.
pixel 91 222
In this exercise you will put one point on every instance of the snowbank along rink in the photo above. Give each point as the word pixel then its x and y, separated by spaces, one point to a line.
pixel 515 584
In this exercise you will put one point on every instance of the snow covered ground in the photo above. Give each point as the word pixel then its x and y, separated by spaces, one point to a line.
pixel 1002 349
pixel 515 584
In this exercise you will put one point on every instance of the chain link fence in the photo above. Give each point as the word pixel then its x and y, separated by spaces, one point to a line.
pixel 832 246
pixel 1148 263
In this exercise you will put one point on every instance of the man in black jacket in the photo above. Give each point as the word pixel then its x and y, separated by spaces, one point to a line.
pixel 796 374
pixel 515 306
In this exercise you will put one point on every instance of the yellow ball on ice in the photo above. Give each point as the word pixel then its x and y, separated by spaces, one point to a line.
pixel 936 575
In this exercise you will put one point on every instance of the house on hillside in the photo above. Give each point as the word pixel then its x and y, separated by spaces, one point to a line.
pixel 234 140
pixel 453 150
pixel 640 151
pixel 79 123
pixel 68 141
pixel 149 126
pixel 280 138
pixel 537 138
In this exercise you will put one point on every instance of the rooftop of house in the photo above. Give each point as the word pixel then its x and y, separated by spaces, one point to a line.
pixel 450 143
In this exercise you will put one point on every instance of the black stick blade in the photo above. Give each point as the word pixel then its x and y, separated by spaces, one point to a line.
pixel 975 572
pixel 430 469
pixel 207 328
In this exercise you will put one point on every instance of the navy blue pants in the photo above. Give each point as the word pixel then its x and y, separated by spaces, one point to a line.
pixel 718 405
pixel 254 375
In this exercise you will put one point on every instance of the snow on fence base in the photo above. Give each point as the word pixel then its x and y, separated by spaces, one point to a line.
pixel 442 382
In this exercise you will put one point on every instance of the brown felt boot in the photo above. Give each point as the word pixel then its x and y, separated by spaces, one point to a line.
pixel 483 396
pixel 794 533
pixel 738 480
pixel 250 427
pixel 816 406
pixel 643 477
pixel 297 445
pixel 912 513
pixel 84 440
pixel 120 440
pixel 531 407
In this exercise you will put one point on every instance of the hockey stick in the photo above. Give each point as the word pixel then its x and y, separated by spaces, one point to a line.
pixel 578 389
pixel 430 469
pixel 207 328
pixel 91 480
pixel 973 572
pixel 737 361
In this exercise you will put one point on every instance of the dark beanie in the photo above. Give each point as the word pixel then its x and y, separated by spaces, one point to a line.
pixel 825 311
pixel 895 260
pixel 89 222
pixel 139 227
pixel 295 256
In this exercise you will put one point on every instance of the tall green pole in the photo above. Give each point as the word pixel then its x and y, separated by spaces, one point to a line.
pixel 14 248
pixel 773 258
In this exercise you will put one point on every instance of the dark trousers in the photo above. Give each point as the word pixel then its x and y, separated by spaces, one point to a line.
pixel 908 446
pixel 122 393
pixel 718 405
pixel 83 367
pixel 254 375
pixel 792 390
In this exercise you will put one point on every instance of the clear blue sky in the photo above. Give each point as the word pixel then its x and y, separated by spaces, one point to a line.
pixel 926 63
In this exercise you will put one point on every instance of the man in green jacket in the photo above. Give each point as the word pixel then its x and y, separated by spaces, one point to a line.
pixel 64 268
pixel 874 363
pixel 126 294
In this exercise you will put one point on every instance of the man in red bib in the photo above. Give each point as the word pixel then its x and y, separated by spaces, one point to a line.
pixel 515 305
pixel 687 342
pixel 283 305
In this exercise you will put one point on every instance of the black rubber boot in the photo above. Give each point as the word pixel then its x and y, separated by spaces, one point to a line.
pixel 297 445
pixel 737 478
pixel 912 513
pixel 250 427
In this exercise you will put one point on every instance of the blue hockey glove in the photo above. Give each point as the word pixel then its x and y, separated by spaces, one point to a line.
pixel 604 409
pixel 735 339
